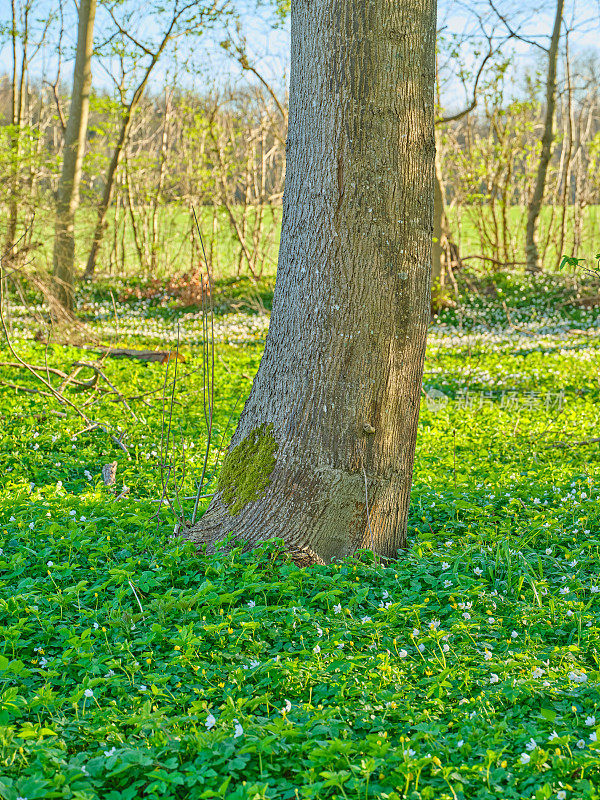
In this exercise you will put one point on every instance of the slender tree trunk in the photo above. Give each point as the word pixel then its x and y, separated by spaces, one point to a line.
pixel 162 166
pixel 323 454
pixel 124 132
pixel 109 184
pixel 441 236
pixel 74 146
pixel 535 205
pixel 564 178
pixel 18 110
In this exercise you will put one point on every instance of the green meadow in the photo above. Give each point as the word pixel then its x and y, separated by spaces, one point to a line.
pixel 132 665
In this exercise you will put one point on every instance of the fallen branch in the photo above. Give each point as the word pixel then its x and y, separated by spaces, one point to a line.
pixel 494 261
pixel 28 389
pixel 581 301
pixel 53 392
pixel 160 356
pixel 68 379
pixel 595 440
pixel 98 372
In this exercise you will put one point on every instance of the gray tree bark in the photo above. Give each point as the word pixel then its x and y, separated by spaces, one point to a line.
pixel 535 205
pixel 337 394
pixel 74 146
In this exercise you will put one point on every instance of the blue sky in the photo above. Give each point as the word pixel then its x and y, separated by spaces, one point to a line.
pixel 207 65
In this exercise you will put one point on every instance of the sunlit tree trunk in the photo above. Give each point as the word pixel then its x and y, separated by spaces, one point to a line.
pixel 323 454
pixel 115 161
pixel 19 72
pixel 440 239
pixel 535 205
pixel 74 146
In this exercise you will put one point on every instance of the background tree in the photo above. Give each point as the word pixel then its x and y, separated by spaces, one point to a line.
pixel 444 251
pixel 533 261
pixel 183 17
pixel 74 144
pixel 537 198
pixel 324 450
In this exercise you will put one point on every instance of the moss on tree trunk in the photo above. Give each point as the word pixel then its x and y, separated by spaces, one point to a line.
pixel 247 469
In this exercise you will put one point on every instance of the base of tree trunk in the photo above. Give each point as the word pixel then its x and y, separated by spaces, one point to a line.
pixel 321 515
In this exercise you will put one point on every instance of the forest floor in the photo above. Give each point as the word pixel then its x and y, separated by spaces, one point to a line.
pixel 133 666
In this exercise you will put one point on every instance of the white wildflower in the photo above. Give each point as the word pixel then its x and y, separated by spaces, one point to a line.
pixel 537 673
pixel 210 722
pixel 577 677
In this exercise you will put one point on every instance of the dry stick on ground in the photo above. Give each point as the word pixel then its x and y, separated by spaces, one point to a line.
pixel 29 390
pixel 595 440
pixel 98 372
pixel 54 393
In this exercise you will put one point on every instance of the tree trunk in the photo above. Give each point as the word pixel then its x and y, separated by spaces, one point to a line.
pixel 535 205
pixel 443 247
pixel 75 136
pixel 18 110
pixel 324 450
pixel 124 132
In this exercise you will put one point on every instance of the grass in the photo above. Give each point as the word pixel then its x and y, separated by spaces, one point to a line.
pixel 477 229
pixel 133 666
pixel 224 251
pixel 119 255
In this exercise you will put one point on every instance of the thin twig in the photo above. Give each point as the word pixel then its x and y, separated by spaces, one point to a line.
pixel 57 396
pixel 137 598
pixel 207 391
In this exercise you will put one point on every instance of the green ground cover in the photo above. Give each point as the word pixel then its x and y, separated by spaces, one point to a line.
pixel 133 666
